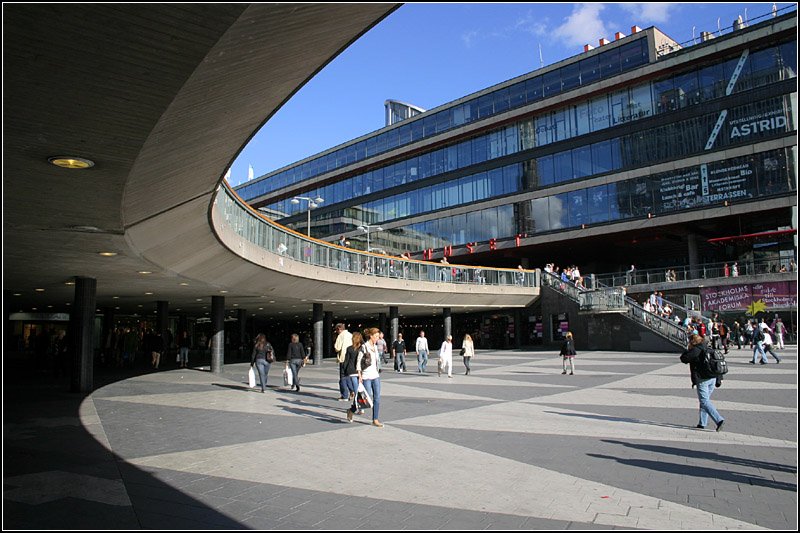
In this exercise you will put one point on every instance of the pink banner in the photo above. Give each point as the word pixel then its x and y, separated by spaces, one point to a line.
pixel 774 295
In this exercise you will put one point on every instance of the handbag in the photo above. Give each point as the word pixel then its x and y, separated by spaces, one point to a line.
pixel 463 351
pixel 363 399
pixel 287 376
pixel 251 378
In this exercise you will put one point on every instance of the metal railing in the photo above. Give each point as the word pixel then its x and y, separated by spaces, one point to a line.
pixel 687 273
pixel 669 329
pixel 288 244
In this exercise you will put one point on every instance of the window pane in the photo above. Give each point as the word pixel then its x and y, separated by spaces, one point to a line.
pixel 633 54
pixel 600 114
pixel 540 215
pixel 517 95
pixel 545 169
pixel 501 101
pixel 562 166
pixel 619 106
pixel 664 95
pixel 582 161
pixel 609 63
pixel 570 76
pixel 582 119
pixel 558 209
pixel 485 105
pixel 686 88
pixel 552 83
pixel 789 60
pixel 641 102
pixel 598 204
pixel 601 158
pixel 590 69
pixel 533 88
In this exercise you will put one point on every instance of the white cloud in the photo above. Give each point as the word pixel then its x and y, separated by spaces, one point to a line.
pixel 469 38
pixel 583 26
pixel 647 14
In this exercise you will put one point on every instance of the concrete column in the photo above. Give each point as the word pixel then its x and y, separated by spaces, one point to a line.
pixel 694 258
pixel 318 337
pixel 394 323
pixel 327 333
pixel 82 335
pixel 448 322
pixel 217 334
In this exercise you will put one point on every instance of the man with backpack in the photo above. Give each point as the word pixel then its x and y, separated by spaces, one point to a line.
pixel 707 369
pixel 758 346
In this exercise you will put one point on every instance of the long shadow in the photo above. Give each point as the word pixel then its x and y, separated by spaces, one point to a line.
pixel 700 472
pixel 312 414
pixel 710 456
pixel 620 419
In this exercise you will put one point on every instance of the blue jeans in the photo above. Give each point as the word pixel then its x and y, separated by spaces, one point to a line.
pixel 400 361
pixel 351 384
pixel 296 364
pixel 758 349
pixel 373 387
pixel 263 370
pixel 704 390
pixel 422 360
pixel 184 356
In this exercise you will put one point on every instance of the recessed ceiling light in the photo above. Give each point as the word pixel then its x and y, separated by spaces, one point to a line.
pixel 115 297
pixel 17 294
pixel 145 272
pixel 184 284
pixel 148 294
pixel 68 161
pixel 223 292
pixel 39 290
pixel 69 283
pixel 107 254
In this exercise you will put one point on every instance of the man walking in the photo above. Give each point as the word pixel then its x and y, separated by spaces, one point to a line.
pixel 422 352
pixel 399 353
pixel 344 339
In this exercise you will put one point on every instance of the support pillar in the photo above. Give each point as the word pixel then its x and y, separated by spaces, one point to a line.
pixel 82 335
pixel 394 323
pixel 694 259
pixel 327 332
pixel 382 323
pixel 217 334
pixel 448 322
pixel 317 319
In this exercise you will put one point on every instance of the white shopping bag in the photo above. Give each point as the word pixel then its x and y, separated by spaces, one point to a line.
pixel 251 378
pixel 363 400
pixel 287 376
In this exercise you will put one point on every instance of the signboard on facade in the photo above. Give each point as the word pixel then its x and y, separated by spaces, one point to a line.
pixel 758 296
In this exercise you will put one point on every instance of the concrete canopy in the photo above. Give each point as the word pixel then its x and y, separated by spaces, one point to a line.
pixel 161 97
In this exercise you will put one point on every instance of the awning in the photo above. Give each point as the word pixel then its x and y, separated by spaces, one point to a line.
pixel 756 237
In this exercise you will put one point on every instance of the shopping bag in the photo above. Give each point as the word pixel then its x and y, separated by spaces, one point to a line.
pixel 363 399
pixel 287 376
pixel 251 378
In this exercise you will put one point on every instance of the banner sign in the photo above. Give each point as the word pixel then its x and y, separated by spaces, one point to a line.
pixel 754 297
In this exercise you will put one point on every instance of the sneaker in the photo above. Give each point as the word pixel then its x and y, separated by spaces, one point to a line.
pixel 571 373
pixel 564 372
pixel 752 362
pixel 763 362
pixel 377 423
pixel 719 425
pixel 777 361
pixel 698 426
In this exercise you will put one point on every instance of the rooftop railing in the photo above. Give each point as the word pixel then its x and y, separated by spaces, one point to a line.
pixel 688 273
pixel 288 244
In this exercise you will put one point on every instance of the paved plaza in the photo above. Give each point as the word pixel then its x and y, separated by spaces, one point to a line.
pixel 514 445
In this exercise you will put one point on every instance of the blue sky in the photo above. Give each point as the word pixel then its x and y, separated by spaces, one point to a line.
pixel 432 54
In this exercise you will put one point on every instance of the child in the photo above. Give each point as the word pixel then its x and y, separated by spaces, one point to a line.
pixel 568 354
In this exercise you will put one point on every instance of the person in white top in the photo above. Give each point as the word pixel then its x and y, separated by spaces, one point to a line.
pixel 768 345
pixel 344 339
pixel 368 373
pixel 446 356
pixel 422 352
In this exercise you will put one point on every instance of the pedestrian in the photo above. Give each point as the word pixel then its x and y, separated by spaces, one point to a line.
pixel 156 348
pixel 768 346
pixel 344 340
pixel 421 348
pixel 183 349
pixel 399 353
pixel 352 353
pixel 446 356
pixel 262 357
pixel 737 334
pixel 368 375
pixel 568 354
pixel 382 350
pixel 780 330
pixel 296 356
pixel 757 342
pixel 468 351
pixel 704 380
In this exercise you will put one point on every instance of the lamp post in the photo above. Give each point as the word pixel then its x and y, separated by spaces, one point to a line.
pixel 366 228
pixel 312 203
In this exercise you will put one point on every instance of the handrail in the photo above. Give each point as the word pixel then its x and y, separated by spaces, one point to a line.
pixel 287 243
pixel 689 273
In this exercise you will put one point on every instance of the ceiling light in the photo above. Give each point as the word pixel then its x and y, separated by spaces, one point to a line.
pixel 145 272
pixel 68 161
pixel 107 254
pixel 39 290
pixel 148 294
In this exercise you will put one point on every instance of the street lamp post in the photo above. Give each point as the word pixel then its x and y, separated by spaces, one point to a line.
pixel 366 228
pixel 312 203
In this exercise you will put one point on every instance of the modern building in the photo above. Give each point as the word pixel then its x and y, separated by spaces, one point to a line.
pixel 640 150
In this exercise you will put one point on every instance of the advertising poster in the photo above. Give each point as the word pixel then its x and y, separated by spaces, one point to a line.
pixel 752 298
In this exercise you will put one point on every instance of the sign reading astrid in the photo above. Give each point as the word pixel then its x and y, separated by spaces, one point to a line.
pixel 773 295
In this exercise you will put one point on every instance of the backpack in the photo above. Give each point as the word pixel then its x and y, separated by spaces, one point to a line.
pixel 715 362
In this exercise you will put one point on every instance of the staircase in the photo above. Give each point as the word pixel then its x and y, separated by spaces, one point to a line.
pixel 614 300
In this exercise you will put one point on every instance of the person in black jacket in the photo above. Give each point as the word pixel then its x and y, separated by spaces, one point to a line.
pixel 350 372
pixel 296 355
pixel 262 357
pixel 568 354
pixel 705 381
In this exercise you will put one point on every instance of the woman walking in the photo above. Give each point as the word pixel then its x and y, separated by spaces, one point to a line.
pixel 367 368
pixel 446 356
pixel 568 353
pixel 297 359
pixel 704 380
pixel 468 351
pixel 262 357
pixel 351 373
